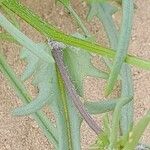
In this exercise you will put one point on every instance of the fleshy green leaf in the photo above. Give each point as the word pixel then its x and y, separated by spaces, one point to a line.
pixel 137 132
pixel 105 17
pixel 1 1
pixel 115 121
pixel 104 12
pixel 79 66
pixel 103 141
pixel 106 124
pixel 94 9
pixel 122 140
pixel 126 121
pixel 32 61
pixel 11 16
pixel 23 40
pixel 44 123
pixel 68 121
pixel 43 76
pixel 123 43
pixel 102 106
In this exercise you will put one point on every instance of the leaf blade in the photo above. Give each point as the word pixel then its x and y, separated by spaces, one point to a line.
pixel 134 135
pixel 123 42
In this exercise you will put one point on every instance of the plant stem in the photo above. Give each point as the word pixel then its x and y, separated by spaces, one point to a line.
pixel 78 20
pixel 52 32
pixel 58 56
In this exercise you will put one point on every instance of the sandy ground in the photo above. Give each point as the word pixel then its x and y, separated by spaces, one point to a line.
pixel 23 133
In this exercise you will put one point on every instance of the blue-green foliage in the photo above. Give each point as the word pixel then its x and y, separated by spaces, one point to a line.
pixel 79 65
pixel 43 80
pixel 41 66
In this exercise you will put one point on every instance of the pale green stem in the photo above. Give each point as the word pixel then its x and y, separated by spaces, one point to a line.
pixel 78 20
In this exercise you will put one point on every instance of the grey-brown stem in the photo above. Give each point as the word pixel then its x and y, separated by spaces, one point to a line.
pixel 58 56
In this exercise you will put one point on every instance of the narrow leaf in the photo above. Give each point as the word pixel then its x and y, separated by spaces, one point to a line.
pixel 137 132
pixel 123 42
pixel 115 121
pixel 43 122
pixel 127 112
pixel 79 66
pixel 102 106
pixel 24 40
pixel 43 76
pixel 104 12
pixel 67 119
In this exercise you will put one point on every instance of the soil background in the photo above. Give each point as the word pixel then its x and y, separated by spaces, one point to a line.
pixel 22 133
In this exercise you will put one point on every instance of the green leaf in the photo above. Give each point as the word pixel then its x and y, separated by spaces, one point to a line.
pixel 102 106
pixel 136 133
pixel 106 124
pixel 68 121
pixel 43 76
pixel 79 65
pixel 104 12
pixel 115 121
pixel 127 112
pixel 122 140
pixel 94 9
pixel 39 61
pixel 105 17
pixel 24 40
pixel 43 122
pixel 1 1
pixel 78 20
pixel 123 43
pixel 103 141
